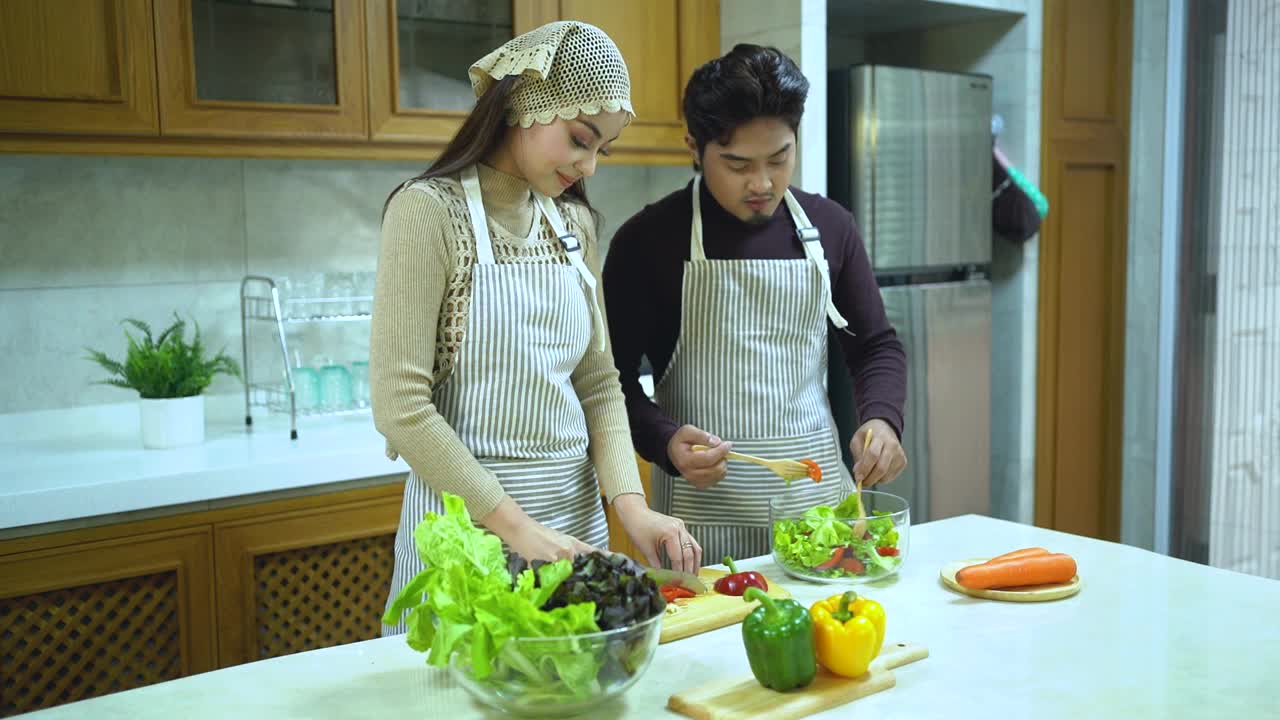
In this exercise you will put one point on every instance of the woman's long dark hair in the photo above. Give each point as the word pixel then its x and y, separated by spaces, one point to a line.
pixel 479 136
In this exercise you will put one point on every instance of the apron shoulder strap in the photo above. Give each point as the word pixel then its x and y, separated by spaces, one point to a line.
pixel 811 241
pixel 696 249
pixel 475 207
pixel 573 250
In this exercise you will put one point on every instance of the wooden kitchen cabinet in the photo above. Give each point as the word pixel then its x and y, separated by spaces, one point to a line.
pixel 360 79
pixel 262 69
pixel 418 55
pixel 77 66
pixel 418 86
pixel 96 617
pixel 663 41
pixel 93 611
pixel 304 579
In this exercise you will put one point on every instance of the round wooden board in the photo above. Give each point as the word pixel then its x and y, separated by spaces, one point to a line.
pixel 1034 593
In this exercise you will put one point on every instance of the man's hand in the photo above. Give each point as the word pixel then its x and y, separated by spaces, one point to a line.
pixel 883 461
pixel 702 468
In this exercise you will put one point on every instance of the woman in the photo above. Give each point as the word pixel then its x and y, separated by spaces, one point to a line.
pixel 489 362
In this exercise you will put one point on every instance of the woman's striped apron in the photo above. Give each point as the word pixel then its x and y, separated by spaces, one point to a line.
pixel 510 397
pixel 750 366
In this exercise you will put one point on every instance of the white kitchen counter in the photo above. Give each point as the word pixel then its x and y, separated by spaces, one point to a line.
pixel 78 464
pixel 1148 637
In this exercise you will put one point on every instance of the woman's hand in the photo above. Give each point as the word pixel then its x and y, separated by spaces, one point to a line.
pixel 883 461
pixel 529 538
pixel 654 532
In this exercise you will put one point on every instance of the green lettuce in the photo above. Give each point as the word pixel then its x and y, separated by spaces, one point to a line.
pixel 815 537
pixel 464 601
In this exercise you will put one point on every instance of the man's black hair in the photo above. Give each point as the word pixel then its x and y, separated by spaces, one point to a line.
pixel 749 82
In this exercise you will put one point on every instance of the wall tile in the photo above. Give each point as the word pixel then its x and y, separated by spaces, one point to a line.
pixel 47 330
pixel 70 221
pixel 311 215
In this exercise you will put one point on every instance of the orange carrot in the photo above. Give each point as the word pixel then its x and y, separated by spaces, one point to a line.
pixel 1019 572
pixel 1024 552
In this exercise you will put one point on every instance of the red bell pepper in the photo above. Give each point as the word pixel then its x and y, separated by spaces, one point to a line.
pixel 673 592
pixel 736 583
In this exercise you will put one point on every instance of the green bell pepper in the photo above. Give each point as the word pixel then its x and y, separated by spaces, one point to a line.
pixel 778 636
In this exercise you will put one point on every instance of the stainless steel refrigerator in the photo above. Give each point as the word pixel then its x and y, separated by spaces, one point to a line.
pixel 910 156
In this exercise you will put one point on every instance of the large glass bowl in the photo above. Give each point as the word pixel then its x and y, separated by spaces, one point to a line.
pixel 816 545
pixel 565 675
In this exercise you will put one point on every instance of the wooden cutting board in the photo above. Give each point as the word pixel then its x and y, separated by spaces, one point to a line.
pixel 1033 593
pixel 711 610
pixel 745 698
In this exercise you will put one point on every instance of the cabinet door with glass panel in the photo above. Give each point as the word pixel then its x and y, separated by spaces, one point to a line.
pixel 419 52
pixel 287 69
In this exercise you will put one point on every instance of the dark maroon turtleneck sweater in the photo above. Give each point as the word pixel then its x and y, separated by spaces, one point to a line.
pixel 643 275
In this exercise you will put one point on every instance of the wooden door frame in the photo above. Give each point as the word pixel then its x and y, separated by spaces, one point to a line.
pixel 1086 144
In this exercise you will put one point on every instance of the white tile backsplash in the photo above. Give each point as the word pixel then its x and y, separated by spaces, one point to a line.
pixel 46 331
pixel 316 215
pixel 88 241
pixel 94 222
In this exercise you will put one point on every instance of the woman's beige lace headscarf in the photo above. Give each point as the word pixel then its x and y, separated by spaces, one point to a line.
pixel 568 68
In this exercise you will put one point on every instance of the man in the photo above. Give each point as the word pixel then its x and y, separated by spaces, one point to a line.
pixel 730 288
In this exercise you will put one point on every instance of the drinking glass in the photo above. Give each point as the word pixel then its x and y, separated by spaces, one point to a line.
pixel 335 387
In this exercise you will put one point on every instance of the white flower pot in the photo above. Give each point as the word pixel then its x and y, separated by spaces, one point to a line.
pixel 172 422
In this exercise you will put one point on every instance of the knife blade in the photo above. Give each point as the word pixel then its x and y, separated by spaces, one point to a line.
pixel 688 581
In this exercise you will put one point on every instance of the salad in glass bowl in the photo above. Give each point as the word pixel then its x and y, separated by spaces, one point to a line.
pixel 541 638
pixel 820 544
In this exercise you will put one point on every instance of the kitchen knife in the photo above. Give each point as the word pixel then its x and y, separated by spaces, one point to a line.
pixel 688 581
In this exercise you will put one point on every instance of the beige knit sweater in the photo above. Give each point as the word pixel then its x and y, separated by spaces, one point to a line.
pixel 419 321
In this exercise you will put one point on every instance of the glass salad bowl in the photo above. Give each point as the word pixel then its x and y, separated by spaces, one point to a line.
pixel 819 544
pixel 557 676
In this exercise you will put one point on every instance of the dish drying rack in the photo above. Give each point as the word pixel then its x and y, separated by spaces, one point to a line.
pixel 261 302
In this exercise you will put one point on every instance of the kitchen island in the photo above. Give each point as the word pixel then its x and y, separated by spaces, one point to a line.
pixel 1147 637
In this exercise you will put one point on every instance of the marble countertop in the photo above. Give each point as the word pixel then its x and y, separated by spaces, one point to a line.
pixel 70 465
pixel 1148 637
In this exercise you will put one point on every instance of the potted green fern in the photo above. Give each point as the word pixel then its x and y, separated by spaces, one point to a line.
pixel 170 376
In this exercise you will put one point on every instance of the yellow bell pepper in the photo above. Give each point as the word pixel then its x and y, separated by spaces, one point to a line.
pixel 847 633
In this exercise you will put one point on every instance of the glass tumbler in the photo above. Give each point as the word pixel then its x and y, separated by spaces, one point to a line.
pixel 306 388
pixel 335 387
pixel 360 383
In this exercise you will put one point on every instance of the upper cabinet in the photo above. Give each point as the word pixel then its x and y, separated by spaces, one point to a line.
pixel 290 69
pixel 308 78
pixel 77 66
pixel 663 41
pixel 419 52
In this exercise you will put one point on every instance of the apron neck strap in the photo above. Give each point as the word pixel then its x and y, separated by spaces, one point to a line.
pixel 475 207
pixel 696 249
pixel 810 240
pixel 573 250
pixel 569 241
